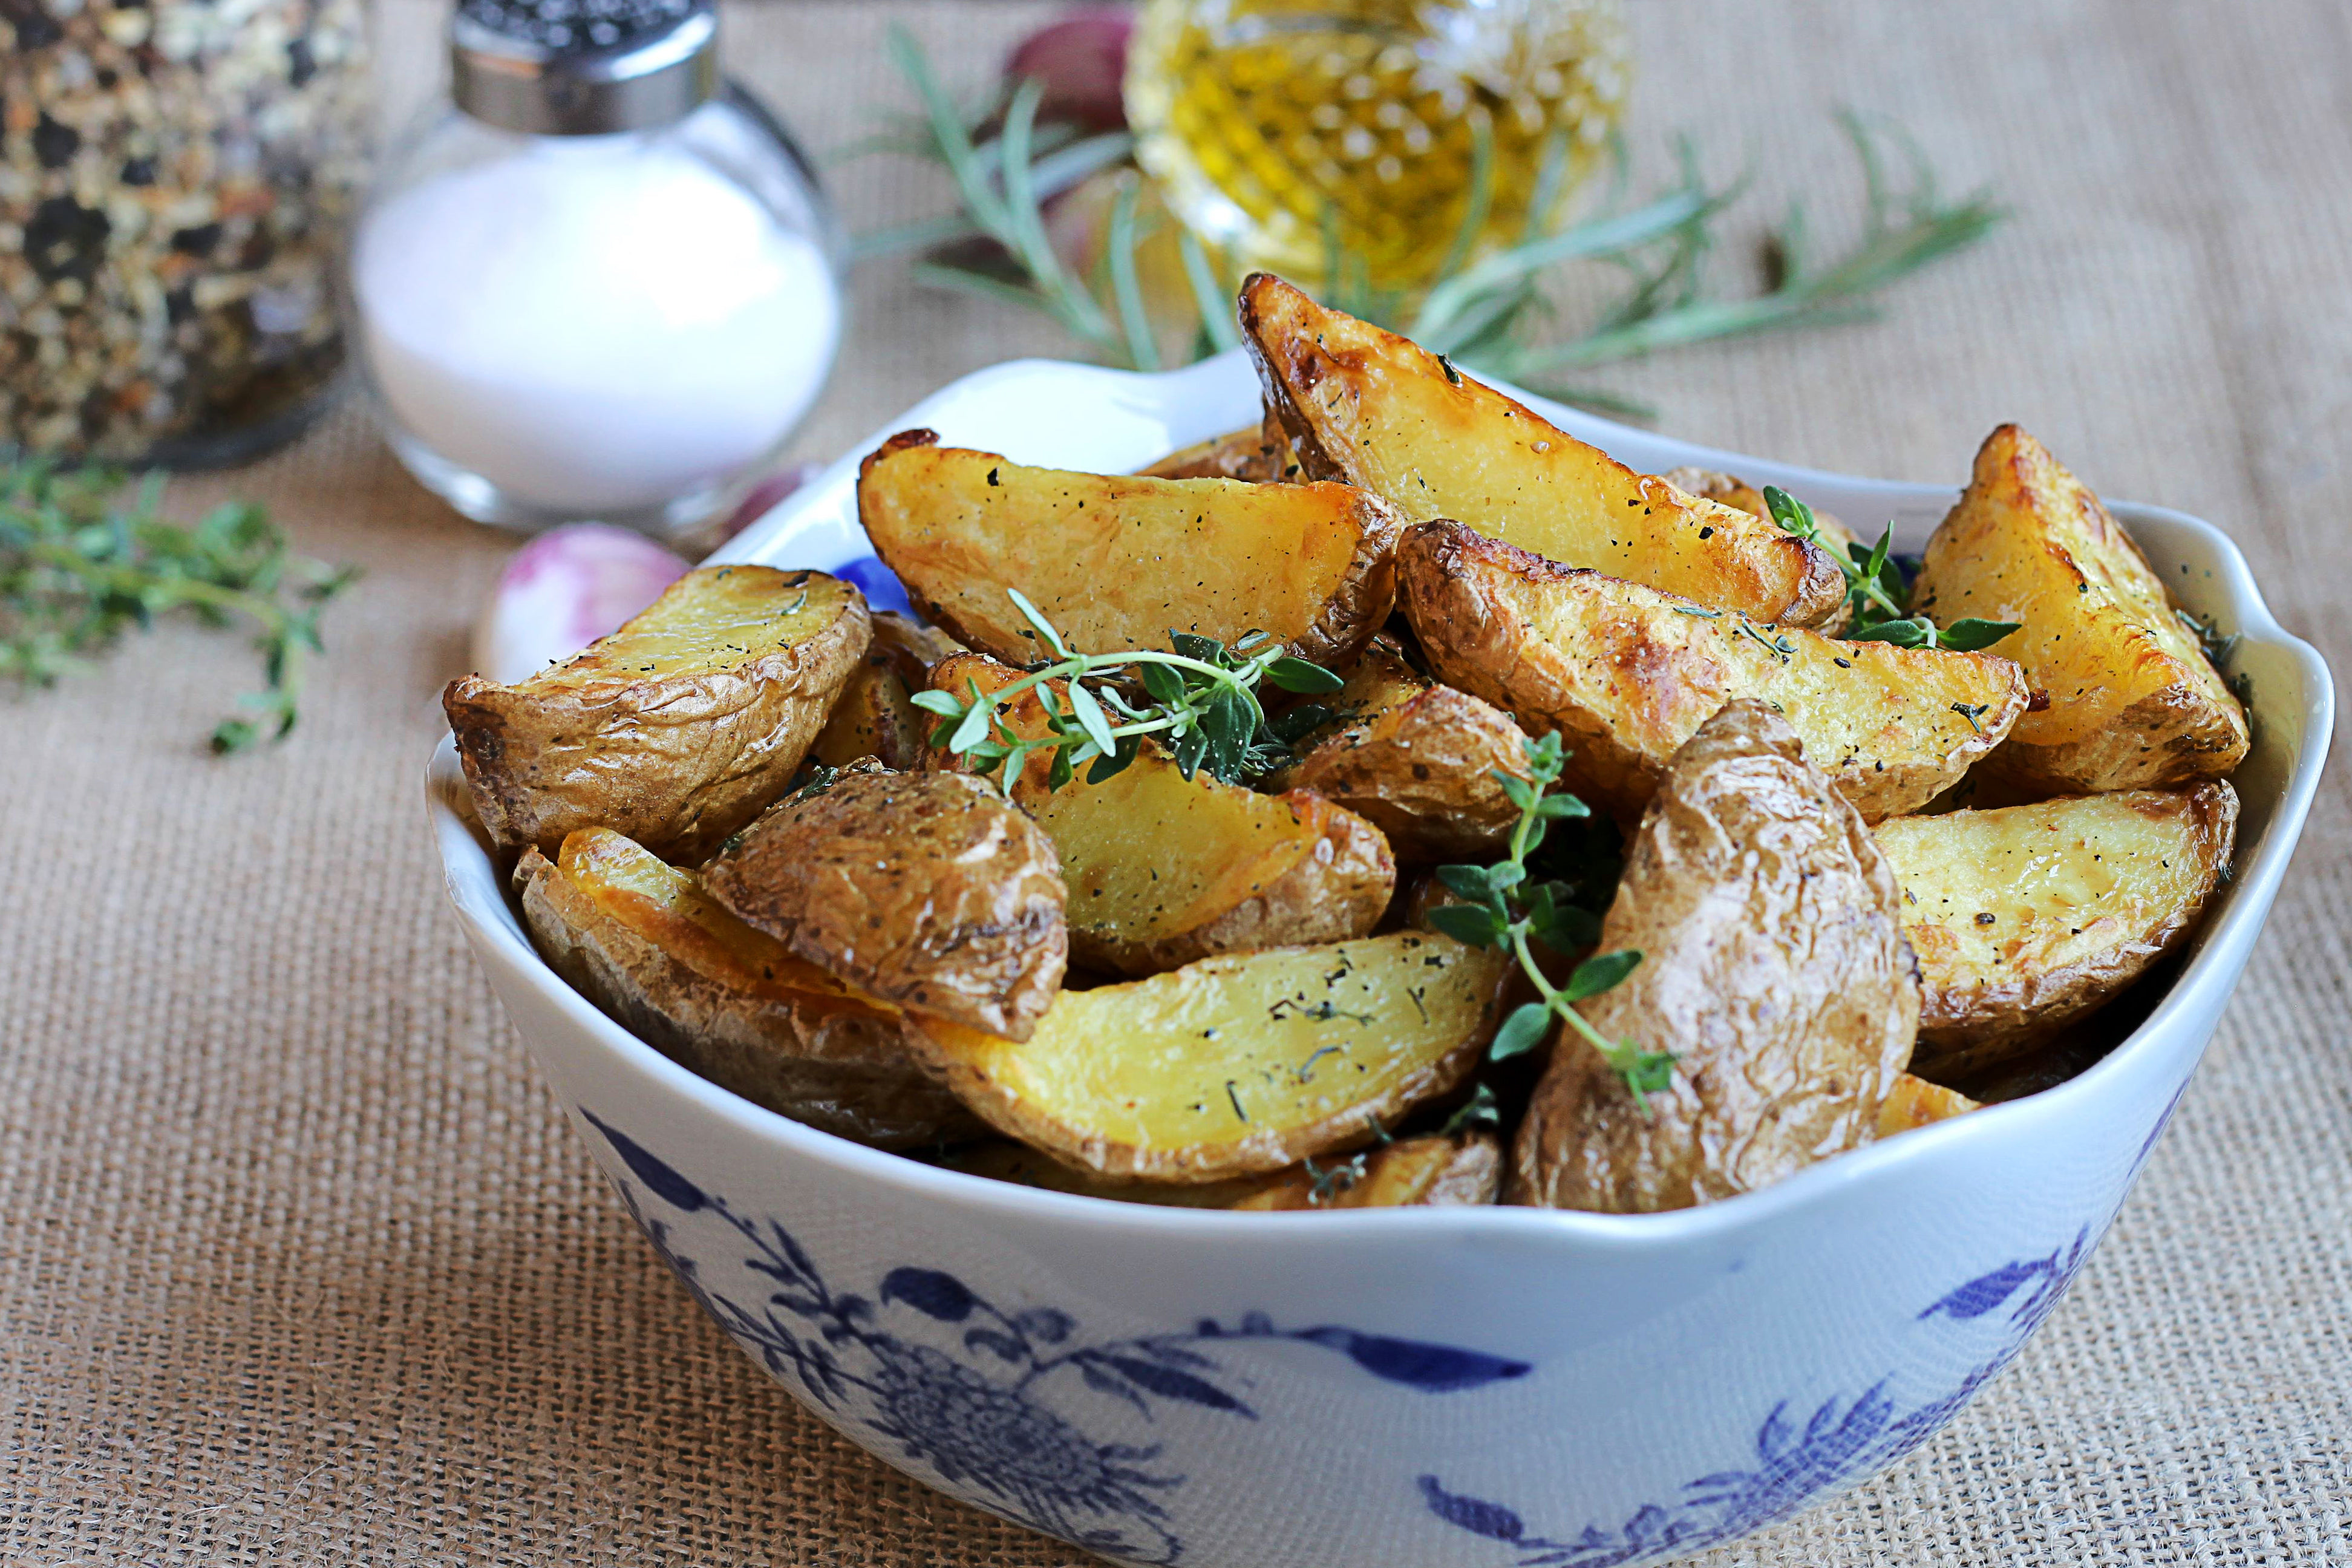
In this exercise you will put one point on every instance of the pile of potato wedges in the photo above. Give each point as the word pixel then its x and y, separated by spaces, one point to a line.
pixel 1871 885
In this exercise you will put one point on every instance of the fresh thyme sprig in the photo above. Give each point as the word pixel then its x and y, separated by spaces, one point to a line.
pixel 1201 699
pixel 1505 910
pixel 1875 589
pixel 1488 310
pixel 80 566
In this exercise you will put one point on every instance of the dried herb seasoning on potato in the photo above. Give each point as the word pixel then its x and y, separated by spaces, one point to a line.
pixel 1119 561
pixel 1774 968
pixel 1626 675
pixel 2132 700
pixel 927 890
pixel 644 943
pixel 2027 917
pixel 1163 869
pixel 677 729
pixel 1237 1065
pixel 1371 408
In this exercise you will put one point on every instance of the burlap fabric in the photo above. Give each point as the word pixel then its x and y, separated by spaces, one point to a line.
pixel 298 1263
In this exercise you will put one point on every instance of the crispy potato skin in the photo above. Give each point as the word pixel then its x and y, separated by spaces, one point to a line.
pixel 1774 967
pixel 1412 1173
pixel 640 939
pixel 1626 674
pixel 1116 561
pixel 676 730
pixel 1418 760
pixel 874 716
pixel 1163 870
pixel 1917 1103
pixel 922 889
pixel 1219 1069
pixel 2028 917
pixel 1373 408
pixel 2132 703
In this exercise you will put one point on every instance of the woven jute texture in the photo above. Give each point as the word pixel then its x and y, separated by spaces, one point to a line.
pixel 298 1263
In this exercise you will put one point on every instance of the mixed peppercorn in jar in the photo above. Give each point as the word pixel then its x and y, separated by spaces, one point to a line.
pixel 176 182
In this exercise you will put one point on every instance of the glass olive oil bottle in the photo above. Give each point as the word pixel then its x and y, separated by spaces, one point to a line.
pixel 1278 128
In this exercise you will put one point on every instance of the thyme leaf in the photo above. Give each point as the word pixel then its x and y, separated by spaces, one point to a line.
pixel 1200 699
pixel 1875 588
pixel 1507 911
pixel 84 556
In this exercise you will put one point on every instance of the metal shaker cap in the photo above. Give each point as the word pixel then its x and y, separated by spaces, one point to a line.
pixel 582 67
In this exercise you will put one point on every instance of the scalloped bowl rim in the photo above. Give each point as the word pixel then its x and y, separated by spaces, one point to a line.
pixel 463 848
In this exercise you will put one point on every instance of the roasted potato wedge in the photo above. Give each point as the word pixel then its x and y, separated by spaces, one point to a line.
pixel 1774 968
pixel 1418 759
pixel 2132 701
pixel 925 889
pixel 1237 1065
pixel 1373 409
pixel 676 730
pixel 1627 674
pixel 1163 869
pixel 1411 1172
pixel 1915 1102
pixel 1712 484
pixel 1257 453
pixel 1429 1172
pixel 2027 917
pixel 642 941
pixel 1118 562
pixel 874 716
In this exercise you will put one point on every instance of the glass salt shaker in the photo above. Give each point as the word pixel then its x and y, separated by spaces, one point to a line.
pixel 600 283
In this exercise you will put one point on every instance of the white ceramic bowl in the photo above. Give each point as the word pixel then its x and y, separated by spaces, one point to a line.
pixel 1491 1388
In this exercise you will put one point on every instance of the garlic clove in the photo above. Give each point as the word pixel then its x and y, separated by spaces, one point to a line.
pixel 563 591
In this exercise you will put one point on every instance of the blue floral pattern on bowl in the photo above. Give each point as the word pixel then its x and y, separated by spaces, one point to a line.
pixel 1791 1466
pixel 984 1398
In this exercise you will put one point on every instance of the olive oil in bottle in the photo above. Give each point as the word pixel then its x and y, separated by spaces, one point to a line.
pixel 1277 127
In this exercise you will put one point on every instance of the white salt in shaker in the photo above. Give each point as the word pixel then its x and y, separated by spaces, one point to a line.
pixel 598 284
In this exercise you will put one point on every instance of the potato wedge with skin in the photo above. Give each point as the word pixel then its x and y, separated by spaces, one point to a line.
pixel 1626 674
pixel 1237 1065
pixel 922 889
pixel 874 715
pixel 1418 760
pixel 1713 484
pixel 1373 408
pixel 2133 702
pixel 1163 869
pixel 1917 1103
pixel 1258 453
pixel 1412 1173
pixel 676 730
pixel 642 941
pixel 1118 562
pixel 1774 968
pixel 2027 917
pixel 1429 1172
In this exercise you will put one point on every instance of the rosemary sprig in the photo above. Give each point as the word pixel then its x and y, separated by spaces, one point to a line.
pixel 1487 312
pixel 1875 590
pixel 1505 910
pixel 79 565
pixel 1201 699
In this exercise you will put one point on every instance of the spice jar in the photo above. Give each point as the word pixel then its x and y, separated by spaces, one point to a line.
pixel 598 284
pixel 176 178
